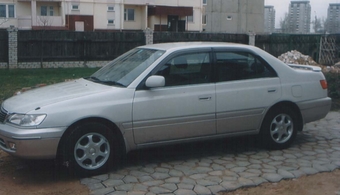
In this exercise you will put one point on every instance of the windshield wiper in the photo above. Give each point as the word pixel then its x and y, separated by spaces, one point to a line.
pixel 111 83
pixel 94 79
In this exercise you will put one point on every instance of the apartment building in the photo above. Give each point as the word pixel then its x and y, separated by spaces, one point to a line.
pixel 269 19
pixel 333 18
pixel 299 17
pixel 234 16
pixel 102 15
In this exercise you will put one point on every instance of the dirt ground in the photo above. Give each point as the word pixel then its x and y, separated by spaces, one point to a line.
pixel 22 177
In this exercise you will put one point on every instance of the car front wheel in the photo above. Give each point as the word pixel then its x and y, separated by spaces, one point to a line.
pixel 91 149
pixel 279 128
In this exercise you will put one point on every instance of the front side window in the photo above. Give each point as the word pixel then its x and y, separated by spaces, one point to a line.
pixel 204 2
pixel 233 66
pixel 194 68
pixel 129 14
pixel 125 69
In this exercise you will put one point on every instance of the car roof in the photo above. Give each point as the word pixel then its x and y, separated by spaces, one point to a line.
pixel 191 45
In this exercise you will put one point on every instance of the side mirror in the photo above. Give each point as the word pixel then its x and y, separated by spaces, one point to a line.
pixel 155 81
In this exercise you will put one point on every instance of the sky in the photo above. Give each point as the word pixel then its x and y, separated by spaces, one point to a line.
pixel 319 8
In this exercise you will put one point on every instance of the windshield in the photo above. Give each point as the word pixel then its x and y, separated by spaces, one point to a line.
pixel 126 68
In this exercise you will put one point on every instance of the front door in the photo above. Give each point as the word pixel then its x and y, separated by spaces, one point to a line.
pixel 79 26
pixel 184 108
pixel 173 23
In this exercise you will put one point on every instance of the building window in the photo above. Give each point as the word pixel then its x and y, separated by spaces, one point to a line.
pixel 7 11
pixel 129 14
pixel 3 11
pixel 110 8
pixel 11 11
pixel 204 2
pixel 75 7
pixel 110 22
pixel 43 10
pixel 51 11
pixel 190 18
pixel 46 10
pixel 204 19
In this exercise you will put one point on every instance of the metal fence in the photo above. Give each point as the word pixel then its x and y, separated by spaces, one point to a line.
pixel 3 46
pixel 277 44
pixel 75 46
pixel 50 46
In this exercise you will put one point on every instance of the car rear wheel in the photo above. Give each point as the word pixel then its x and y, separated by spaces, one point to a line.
pixel 279 128
pixel 92 149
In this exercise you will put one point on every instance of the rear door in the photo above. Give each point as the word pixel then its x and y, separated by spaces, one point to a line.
pixel 246 87
pixel 184 108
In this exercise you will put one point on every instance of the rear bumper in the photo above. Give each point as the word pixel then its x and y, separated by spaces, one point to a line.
pixel 30 143
pixel 315 109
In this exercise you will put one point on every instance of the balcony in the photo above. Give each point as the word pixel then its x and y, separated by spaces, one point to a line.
pixel 41 22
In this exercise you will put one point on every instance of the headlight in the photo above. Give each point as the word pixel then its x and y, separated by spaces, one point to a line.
pixel 26 120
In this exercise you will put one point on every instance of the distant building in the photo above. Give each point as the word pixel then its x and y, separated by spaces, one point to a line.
pixel 333 18
pixel 269 19
pixel 299 17
pixel 231 16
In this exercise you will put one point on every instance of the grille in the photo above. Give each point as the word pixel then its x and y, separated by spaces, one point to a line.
pixel 3 114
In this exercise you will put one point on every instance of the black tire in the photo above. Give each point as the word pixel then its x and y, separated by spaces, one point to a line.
pixel 279 128
pixel 92 149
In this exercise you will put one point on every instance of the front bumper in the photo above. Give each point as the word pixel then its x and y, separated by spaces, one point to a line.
pixel 30 143
pixel 315 109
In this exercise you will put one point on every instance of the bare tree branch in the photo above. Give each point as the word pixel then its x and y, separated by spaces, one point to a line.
pixel 3 21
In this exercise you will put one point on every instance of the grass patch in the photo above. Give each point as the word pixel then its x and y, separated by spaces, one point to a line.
pixel 14 80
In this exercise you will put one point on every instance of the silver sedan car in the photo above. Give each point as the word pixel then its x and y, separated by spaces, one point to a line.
pixel 164 94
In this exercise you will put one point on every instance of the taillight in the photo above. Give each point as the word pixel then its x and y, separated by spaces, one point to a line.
pixel 323 84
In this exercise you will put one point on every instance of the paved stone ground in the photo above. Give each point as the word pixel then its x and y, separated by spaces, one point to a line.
pixel 224 165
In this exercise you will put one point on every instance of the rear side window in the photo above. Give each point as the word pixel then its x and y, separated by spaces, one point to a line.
pixel 233 66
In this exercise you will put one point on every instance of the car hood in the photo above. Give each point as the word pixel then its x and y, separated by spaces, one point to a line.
pixel 39 97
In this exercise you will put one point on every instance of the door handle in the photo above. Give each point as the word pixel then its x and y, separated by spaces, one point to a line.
pixel 271 90
pixel 204 98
